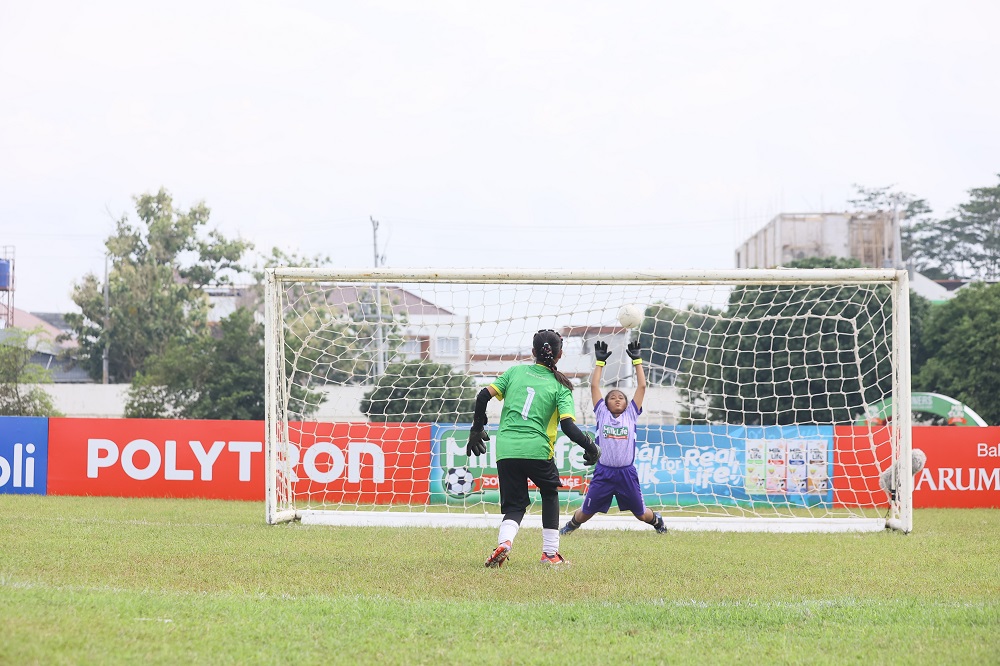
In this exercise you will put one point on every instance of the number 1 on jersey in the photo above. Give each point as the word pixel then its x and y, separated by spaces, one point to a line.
pixel 527 403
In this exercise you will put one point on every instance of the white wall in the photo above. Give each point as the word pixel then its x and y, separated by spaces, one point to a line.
pixel 108 401
pixel 95 401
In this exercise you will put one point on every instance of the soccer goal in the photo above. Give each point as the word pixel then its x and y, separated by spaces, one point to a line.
pixel 775 399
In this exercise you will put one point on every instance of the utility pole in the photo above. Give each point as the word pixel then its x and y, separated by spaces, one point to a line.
pixel 379 341
pixel 107 323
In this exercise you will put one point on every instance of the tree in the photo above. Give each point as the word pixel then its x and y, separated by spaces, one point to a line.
pixel 673 339
pixel 209 377
pixel 421 391
pixel 340 344
pixel 920 312
pixel 979 222
pixel 334 334
pixel 965 245
pixel 929 245
pixel 20 394
pixel 962 342
pixel 786 354
pixel 888 198
pixel 159 270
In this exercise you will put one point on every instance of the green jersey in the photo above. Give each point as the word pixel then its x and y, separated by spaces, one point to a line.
pixel 533 404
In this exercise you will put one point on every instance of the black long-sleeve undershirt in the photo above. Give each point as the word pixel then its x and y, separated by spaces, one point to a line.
pixel 571 430
pixel 482 399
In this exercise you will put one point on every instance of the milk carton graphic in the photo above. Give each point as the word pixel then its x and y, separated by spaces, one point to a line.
pixel 776 466
pixel 797 450
pixel 817 474
pixel 756 467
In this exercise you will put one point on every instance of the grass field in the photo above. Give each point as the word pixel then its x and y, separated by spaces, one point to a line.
pixel 103 580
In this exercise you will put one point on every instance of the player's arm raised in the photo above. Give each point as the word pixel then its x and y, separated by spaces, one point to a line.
pixel 601 356
pixel 634 352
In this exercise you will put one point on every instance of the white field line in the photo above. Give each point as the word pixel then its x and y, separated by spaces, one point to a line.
pixel 804 604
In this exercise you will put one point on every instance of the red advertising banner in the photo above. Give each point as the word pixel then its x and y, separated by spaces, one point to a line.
pixel 962 470
pixel 156 458
pixel 859 455
pixel 344 462
pixel 366 463
pixel 372 463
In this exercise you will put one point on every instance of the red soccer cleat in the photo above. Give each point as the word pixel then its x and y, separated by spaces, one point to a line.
pixel 554 559
pixel 499 556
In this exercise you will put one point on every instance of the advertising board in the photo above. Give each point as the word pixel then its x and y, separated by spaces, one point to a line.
pixel 24 454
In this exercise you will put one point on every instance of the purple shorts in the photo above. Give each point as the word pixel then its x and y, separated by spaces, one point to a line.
pixel 620 483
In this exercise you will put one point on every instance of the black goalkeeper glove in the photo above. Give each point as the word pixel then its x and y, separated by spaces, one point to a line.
pixel 477 442
pixel 601 352
pixel 634 351
pixel 592 452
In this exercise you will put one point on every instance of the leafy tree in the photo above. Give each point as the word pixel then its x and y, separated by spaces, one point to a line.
pixel 888 198
pixel 785 354
pixel 962 342
pixel 965 245
pixel 210 377
pixel 339 344
pixel 334 334
pixel 920 312
pixel 673 339
pixel 20 394
pixel 929 245
pixel 159 269
pixel 421 391
pixel 979 223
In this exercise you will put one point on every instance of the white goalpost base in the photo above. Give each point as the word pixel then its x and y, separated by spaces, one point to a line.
pixel 774 401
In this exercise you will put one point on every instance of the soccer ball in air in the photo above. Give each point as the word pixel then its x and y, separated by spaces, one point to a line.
pixel 630 316
pixel 459 482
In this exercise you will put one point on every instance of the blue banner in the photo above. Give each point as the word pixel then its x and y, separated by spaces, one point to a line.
pixel 24 455
pixel 736 465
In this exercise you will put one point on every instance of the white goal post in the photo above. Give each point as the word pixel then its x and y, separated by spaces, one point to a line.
pixel 775 398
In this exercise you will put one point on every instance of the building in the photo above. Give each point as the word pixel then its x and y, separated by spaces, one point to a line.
pixel 430 332
pixel 867 237
pixel 50 351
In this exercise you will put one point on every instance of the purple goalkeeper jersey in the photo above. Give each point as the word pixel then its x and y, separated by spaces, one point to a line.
pixel 616 434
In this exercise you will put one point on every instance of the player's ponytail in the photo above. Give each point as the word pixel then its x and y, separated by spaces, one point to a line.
pixel 546 346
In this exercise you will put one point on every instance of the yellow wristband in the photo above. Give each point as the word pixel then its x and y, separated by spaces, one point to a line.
pixel 599 364
pixel 637 361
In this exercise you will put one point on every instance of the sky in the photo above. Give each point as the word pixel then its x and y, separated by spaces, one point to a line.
pixel 601 135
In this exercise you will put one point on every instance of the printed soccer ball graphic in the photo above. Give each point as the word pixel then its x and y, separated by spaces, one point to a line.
pixel 630 316
pixel 459 482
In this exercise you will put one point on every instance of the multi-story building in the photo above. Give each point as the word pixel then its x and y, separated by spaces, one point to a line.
pixel 868 237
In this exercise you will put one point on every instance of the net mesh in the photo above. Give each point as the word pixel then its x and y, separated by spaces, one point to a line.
pixel 763 400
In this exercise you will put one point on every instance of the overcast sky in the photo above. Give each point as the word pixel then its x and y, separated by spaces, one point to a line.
pixel 538 134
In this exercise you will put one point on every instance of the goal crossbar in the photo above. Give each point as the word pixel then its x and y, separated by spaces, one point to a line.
pixel 638 277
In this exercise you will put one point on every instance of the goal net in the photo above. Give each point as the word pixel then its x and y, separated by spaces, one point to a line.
pixel 774 397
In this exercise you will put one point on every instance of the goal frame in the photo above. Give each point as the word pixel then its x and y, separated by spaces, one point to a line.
pixel 279 498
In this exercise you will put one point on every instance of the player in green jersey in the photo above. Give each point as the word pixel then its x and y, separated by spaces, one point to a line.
pixel 536 398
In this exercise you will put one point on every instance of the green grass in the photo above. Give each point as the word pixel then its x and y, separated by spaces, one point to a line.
pixel 103 580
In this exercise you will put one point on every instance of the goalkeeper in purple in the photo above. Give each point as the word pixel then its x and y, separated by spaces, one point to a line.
pixel 615 476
